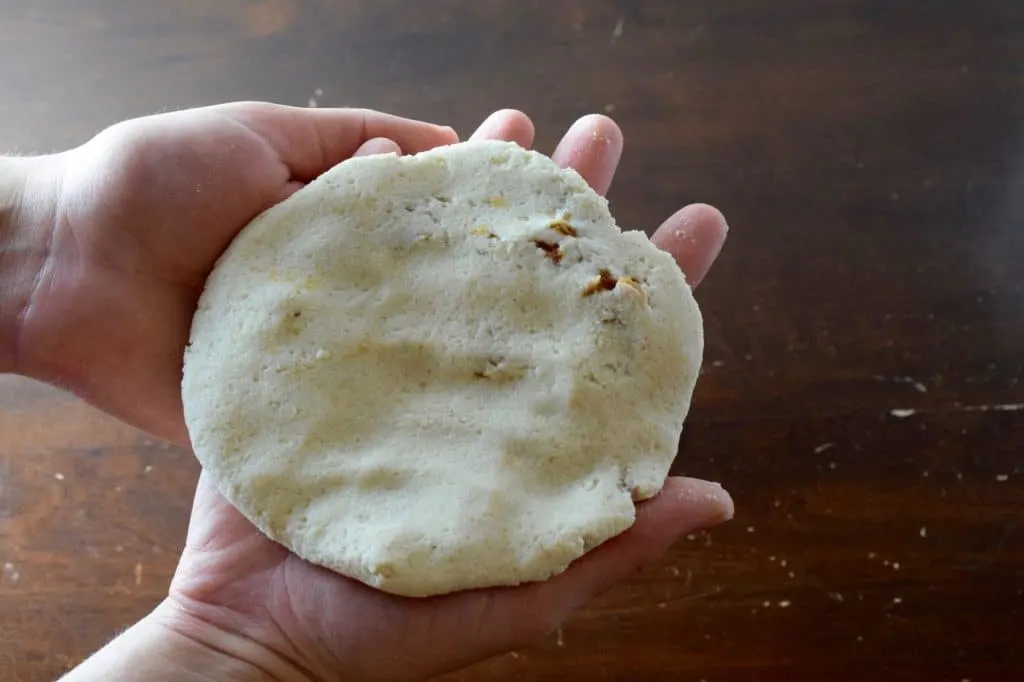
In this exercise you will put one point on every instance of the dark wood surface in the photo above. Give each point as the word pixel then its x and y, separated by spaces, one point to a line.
pixel 863 395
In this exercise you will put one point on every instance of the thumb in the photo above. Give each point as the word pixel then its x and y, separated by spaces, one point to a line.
pixel 310 141
pixel 683 506
pixel 520 615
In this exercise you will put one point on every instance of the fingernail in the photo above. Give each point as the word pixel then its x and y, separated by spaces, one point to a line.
pixel 714 504
pixel 378 145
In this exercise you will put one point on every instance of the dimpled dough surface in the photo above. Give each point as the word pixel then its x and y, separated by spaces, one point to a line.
pixel 442 371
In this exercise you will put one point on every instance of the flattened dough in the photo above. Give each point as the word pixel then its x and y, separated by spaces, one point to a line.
pixel 443 371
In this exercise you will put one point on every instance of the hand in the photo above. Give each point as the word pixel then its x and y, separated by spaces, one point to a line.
pixel 259 600
pixel 141 213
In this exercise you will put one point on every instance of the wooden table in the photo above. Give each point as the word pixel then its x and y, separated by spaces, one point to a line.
pixel 862 395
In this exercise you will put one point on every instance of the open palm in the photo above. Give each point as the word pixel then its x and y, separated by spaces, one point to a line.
pixel 322 624
pixel 143 212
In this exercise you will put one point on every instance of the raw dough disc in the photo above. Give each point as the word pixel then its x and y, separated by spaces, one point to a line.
pixel 443 371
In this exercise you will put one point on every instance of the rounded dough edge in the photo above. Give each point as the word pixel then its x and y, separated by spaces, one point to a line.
pixel 680 321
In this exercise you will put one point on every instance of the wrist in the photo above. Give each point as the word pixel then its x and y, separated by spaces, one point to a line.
pixel 169 644
pixel 28 190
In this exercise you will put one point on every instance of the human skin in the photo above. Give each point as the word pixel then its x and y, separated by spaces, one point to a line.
pixel 104 250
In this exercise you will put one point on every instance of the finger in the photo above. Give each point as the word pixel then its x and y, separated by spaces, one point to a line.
pixel 683 506
pixel 378 145
pixel 593 147
pixel 310 141
pixel 512 617
pixel 509 125
pixel 694 235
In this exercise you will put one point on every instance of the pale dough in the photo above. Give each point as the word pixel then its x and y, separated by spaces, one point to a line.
pixel 443 371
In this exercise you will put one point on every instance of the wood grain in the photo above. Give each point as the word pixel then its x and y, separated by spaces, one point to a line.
pixel 862 392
